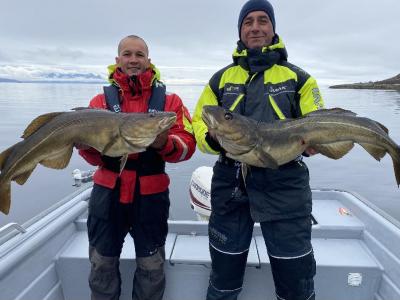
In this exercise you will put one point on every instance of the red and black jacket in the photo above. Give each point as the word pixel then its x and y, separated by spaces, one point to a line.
pixel 147 168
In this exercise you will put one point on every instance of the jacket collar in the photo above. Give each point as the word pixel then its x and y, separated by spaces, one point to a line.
pixel 134 84
pixel 258 60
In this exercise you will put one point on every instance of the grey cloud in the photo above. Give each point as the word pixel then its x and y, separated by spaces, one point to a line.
pixel 4 58
pixel 334 39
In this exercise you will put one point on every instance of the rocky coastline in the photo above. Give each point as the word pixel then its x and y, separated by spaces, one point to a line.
pixel 392 83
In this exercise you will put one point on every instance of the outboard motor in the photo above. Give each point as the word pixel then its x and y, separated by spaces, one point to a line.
pixel 200 186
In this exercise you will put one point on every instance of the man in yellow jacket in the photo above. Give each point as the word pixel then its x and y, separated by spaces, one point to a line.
pixel 260 84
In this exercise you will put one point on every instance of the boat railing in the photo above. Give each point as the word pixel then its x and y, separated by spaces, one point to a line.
pixel 12 226
pixel 13 229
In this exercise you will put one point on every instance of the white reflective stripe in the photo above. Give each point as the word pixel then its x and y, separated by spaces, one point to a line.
pixel 229 253
pixel 290 257
pixel 224 291
pixel 184 146
pixel 279 297
pixel 312 294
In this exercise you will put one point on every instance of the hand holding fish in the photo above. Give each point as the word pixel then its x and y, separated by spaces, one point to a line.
pixel 160 141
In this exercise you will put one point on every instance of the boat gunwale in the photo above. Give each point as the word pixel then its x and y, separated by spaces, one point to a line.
pixel 34 225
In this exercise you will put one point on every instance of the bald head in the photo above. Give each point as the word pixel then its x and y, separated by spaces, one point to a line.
pixel 133 55
pixel 131 37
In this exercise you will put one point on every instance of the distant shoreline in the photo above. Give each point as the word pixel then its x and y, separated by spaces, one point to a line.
pixel 367 86
pixel 3 80
pixel 9 80
pixel 387 84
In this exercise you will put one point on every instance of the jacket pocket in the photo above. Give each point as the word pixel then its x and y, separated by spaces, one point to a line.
pixel 232 93
pixel 284 103
pixel 287 190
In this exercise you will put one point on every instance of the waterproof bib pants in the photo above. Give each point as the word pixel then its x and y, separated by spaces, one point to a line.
pixel 288 243
pixel 108 224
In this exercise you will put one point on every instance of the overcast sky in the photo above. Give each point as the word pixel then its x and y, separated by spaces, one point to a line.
pixel 341 40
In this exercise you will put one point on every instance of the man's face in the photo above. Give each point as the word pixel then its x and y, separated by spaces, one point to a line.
pixel 257 30
pixel 133 56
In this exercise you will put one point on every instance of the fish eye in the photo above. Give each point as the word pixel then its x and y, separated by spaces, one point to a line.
pixel 228 116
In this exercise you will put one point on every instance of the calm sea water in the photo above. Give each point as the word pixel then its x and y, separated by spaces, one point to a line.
pixel 358 171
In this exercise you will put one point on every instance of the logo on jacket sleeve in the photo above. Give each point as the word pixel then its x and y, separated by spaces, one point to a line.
pixel 317 97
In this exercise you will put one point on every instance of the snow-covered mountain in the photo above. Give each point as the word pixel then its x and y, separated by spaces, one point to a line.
pixel 35 73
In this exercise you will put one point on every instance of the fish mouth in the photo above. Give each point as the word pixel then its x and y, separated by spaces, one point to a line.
pixel 208 119
pixel 164 119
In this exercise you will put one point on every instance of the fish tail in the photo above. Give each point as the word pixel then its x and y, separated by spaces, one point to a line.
pixel 5 197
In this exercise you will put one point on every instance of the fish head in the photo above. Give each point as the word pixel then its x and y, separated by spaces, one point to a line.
pixel 235 133
pixel 140 129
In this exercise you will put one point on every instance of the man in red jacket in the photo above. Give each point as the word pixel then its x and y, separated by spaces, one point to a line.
pixel 134 200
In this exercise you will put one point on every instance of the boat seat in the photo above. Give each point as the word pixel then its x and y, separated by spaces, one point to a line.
pixel 334 220
pixel 188 264
pixel 345 268
pixel 188 267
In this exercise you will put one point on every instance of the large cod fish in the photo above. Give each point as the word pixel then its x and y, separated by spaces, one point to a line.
pixel 332 132
pixel 50 138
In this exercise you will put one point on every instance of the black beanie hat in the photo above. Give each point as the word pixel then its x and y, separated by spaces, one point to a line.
pixel 256 5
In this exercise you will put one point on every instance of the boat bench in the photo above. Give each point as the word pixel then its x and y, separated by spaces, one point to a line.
pixel 345 267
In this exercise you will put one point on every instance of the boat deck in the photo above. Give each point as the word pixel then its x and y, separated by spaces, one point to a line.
pixel 357 253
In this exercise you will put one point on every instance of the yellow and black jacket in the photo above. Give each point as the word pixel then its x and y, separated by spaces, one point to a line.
pixel 263 85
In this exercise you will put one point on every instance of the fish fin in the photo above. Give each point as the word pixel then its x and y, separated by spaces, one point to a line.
pixel 334 150
pixel 245 170
pixel 375 151
pixel 330 111
pixel 396 165
pixel 60 161
pixel 80 108
pixel 109 145
pixel 39 122
pixel 124 159
pixel 4 155
pixel 5 197
pixel 263 159
pixel 22 178
pixel 383 127
pixel 269 162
